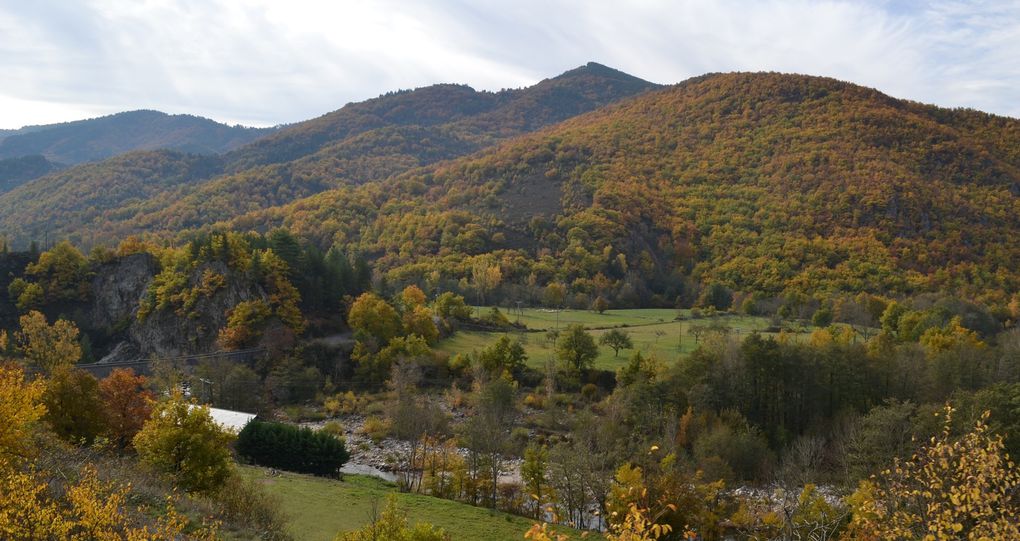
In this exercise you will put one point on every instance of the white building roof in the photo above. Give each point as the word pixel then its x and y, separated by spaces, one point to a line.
pixel 230 420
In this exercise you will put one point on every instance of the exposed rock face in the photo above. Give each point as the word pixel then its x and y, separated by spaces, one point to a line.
pixel 164 333
pixel 120 287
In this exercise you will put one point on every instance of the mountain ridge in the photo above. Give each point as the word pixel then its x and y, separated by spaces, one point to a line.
pixel 762 182
pixel 102 137
pixel 360 142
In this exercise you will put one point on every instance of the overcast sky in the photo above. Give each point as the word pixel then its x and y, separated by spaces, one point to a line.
pixel 265 62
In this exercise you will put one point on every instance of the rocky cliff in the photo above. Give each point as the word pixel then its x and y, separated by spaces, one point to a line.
pixel 119 289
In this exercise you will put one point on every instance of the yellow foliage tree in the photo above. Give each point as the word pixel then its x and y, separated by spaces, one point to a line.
pixel 412 296
pixel 48 346
pixel 89 509
pixel 951 489
pixel 182 440
pixel 20 409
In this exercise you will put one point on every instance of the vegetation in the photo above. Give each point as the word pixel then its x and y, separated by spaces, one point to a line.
pixel 789 278
pixel 392 524
pixel 737 184
pixel 181 440
pixel 964 488
pixel 168 191
pixel 291 448
pixel 100 138
pixel 319 508
pixel 87 508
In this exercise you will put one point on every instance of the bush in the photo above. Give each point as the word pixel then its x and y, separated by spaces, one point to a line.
pixel 243 501
pixel 376 428
pixel 334 428
pixel 291 448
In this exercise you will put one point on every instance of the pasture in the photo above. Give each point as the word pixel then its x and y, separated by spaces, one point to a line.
pixel 654 331
pixel 319 508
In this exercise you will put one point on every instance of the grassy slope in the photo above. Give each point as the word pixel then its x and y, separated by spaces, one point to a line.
pixel 320 508
pixel 653 330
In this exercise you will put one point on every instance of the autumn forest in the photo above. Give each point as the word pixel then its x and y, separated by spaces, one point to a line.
pixel 745 306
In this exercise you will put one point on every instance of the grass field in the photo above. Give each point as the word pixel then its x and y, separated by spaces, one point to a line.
pixel 320 508
pixel 653 331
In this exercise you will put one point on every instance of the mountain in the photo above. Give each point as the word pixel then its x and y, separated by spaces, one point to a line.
pixel 100 138
pixel 361 142
pixel 763 182
pixel 85 194
pixel 16 171
pixel 482 116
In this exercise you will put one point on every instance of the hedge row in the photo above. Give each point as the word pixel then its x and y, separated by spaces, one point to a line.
pixel 291 448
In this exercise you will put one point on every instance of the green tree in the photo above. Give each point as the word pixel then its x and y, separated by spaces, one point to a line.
pixel 717 296
pixel 62 272
pixel 617 340
pixel 451 306
pixel 822 317
pixel 503 355
pixel 181 440
pixel 291 448
pixel 576 348
pixel 535 474
pixel 26 295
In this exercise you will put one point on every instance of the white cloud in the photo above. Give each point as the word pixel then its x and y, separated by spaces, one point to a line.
pixel 266 61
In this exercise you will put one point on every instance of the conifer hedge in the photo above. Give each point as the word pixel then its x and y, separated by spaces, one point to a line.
pixel 291 448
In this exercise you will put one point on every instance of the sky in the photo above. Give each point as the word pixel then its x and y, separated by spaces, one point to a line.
pixel 268 62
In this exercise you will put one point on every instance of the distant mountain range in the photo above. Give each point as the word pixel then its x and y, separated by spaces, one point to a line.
pixel 81 141
pixel 759 181
pixel 362 142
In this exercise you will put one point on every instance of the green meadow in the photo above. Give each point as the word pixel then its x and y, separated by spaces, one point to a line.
pixel 654 331
pixel 318 508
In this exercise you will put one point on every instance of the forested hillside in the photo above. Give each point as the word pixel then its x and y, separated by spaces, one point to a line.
pixel 361 142
pixel 100 138
pixel 767 184
pixel 808 289
pixel 762 183
pixel 91 193
pixel 16 171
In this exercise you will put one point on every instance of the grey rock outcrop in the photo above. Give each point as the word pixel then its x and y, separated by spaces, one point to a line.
pixel 118 290
pixel 121 286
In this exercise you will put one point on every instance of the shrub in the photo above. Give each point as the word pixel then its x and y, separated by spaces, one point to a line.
pixel 243 501
pixel 291 448
pixel 376 428
pixel 334 428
